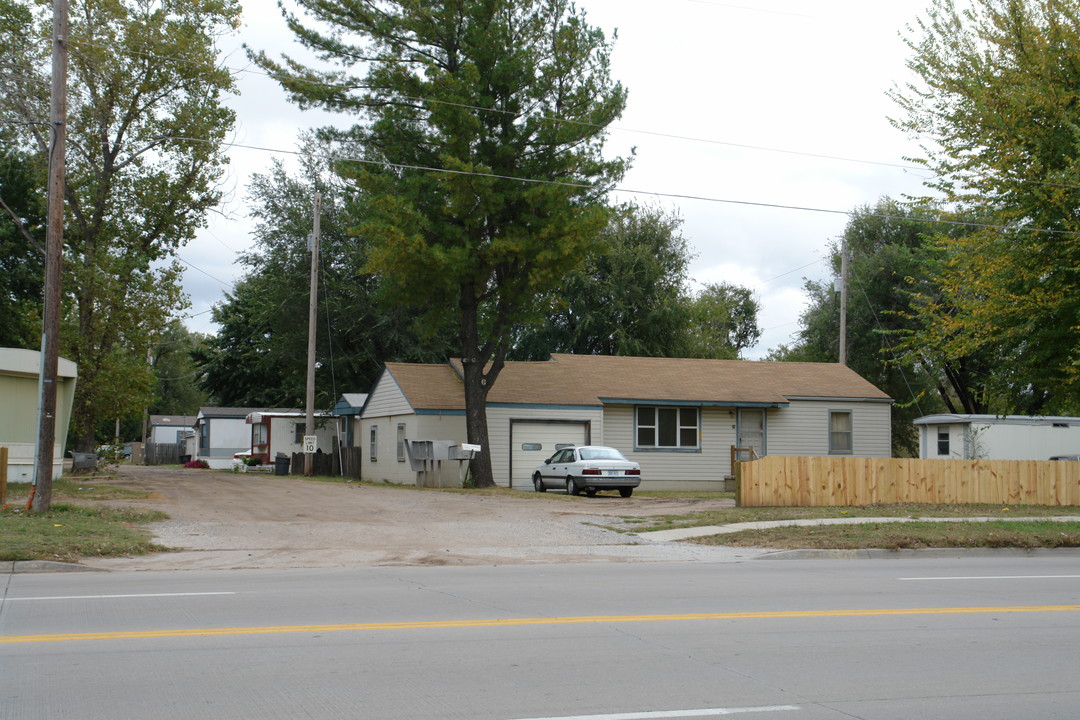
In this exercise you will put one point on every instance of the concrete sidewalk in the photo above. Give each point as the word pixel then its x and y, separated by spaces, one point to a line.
pixel 685 533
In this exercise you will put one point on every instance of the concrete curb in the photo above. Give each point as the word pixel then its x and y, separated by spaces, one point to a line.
pixel 686 533
pixel 43 566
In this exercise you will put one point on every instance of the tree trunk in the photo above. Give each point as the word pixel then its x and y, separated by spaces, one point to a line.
pixel 481 365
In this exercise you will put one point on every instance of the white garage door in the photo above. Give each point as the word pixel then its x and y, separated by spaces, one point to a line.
pixel 534 441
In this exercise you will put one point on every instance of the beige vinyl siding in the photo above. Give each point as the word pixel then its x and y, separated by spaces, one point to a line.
pixel 386 399
pixel 802 428
pixel 671 470
pixel 387 468
pixel 499 431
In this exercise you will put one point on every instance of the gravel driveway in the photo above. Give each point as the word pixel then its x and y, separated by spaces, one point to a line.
pixel 223 520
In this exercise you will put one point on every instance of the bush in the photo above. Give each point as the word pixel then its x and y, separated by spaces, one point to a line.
pixel 201 464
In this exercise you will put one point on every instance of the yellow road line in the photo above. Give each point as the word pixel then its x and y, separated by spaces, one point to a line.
pixel 518 622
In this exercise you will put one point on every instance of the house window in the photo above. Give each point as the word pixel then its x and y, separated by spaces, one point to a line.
pixel 204 435
pixel 943 441
pixel 298 433
pixel 400 442
pixel 667 427
pixel 258 435
pixel 374 443
pixel 840 432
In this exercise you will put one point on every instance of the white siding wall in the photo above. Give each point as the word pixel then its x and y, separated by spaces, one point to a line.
pixel 1001 441
pixel 499 431
pixel 283 435
pixel 663 470
pixel 802 428
pixel 386 399
pixel 387 467
pixel 228 436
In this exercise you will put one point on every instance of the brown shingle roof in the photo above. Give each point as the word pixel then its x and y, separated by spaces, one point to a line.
pixel 429 387
pixel 594 379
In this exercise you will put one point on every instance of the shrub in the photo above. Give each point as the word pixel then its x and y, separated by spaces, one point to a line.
pixel 201 464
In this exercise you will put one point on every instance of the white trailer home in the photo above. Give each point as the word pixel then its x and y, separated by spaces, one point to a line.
pixel 997 437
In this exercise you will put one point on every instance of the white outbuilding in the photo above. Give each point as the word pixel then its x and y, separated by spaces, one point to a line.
pixel 997 437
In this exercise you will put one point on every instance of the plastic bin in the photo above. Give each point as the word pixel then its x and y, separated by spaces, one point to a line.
pixel 281 465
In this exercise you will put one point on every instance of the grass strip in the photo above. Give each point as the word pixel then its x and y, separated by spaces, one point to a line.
pixel 728 516
pixel 67 532
pixel 913 535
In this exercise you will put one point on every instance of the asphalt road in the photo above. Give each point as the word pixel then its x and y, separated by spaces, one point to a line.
pixel 967 637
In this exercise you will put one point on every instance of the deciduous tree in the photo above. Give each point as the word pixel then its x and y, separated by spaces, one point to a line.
pixel 627 298
pixel 997 105
pixel 144 131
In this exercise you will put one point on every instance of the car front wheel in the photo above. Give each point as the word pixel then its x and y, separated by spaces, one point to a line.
pixel 572 487
pixel 538 484
pixel 626 492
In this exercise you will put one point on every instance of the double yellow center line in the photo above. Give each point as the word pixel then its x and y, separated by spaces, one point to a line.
pixel 521 622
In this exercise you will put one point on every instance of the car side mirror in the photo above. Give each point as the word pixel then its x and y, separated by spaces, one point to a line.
pixel 548 461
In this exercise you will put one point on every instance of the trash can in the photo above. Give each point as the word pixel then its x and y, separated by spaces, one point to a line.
pixel 281 464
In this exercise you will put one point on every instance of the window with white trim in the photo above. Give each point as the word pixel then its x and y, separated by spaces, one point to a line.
pixel 298 432
pixel 840 432
pixel 374 443
pixel 401 442
pixel 667 427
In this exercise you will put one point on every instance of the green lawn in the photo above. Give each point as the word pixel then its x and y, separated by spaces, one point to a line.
pixel 68 531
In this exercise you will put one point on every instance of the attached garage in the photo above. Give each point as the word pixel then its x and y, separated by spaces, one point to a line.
pixel 533 441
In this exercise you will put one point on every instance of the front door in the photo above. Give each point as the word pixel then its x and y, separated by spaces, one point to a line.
pixel 751 432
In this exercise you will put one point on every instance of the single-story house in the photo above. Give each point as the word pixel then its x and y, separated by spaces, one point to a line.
pixel 282 431
pixel 221 433
pixel 19 398
pixel 678 418
pixel 997 437
pixel 347 410
pixel 170 429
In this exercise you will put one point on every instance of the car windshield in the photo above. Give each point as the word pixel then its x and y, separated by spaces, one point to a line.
pixel 601 453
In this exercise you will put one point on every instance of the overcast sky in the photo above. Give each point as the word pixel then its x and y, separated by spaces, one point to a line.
pixel 741 113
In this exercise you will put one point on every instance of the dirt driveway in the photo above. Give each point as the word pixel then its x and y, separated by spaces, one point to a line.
pixel 226 521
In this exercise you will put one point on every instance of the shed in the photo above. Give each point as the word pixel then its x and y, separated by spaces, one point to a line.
pixel 20 394
pixel 997 437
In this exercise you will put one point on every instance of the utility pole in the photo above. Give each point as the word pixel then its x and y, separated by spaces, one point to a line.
pixel 843 301
pixel 54 244
pixel 309 426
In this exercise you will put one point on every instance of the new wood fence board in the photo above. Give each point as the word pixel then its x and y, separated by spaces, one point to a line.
pixel 824 481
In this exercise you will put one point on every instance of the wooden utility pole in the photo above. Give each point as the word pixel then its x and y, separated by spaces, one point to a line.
pixel 309 425
pixel 843 302
pixel 54 244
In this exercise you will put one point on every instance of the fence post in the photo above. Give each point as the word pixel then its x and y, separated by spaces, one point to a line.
pixel 3 473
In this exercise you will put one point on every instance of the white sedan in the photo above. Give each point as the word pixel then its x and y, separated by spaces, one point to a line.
pixel 589 468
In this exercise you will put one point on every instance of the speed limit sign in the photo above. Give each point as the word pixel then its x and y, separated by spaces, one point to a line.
pixel 310 443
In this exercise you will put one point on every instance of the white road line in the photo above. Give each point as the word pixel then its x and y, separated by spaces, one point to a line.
pixel 109 597
pixel 995 577
pixel 704 712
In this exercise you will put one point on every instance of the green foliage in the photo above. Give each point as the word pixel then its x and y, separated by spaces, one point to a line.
pixel 722 322
pixel 176 389
pixel 889 261
pixel 997 110
pixel 259 356
pixel 479 166
pixel 21 258
pixel 144 132
pixel 627 298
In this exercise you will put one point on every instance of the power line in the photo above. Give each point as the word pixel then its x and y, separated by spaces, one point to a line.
pixel 634 191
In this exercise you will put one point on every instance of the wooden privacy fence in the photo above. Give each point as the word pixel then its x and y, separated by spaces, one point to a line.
pixel 776 481
pixel 162 453
pixel 328 464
